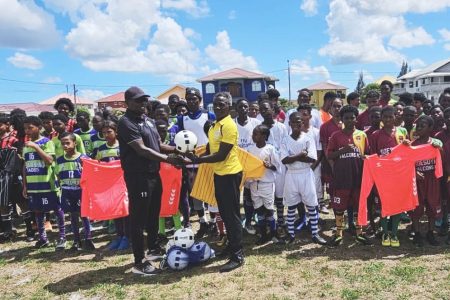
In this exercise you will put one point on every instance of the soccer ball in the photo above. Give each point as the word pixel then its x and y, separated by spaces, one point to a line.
pixel 169 245
pixel 200 252
pixel 184 238
pixel 185 141
pixel 177 258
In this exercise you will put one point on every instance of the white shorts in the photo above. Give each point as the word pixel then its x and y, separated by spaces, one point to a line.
pixel 279 182
pixel 319 185
pixel 213 209
pixel 300 186
pixel 262 194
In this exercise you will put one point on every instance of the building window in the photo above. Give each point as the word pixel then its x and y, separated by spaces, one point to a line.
pixel 402 85
pixel 210 89
pixel 411 84
pixel 417 83
pixel 431 79
pixel 423 81
pixel 256 86
pixel 115 103
pixel 446 78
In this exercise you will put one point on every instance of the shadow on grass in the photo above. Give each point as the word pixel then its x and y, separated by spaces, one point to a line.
pixel 121 275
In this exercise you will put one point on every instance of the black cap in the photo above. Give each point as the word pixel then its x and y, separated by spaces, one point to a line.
pixel 134 93
pixel 193 91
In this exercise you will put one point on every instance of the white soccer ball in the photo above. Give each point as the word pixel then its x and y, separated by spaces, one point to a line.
pixel 169 245
pixel 200 252
pixel 177 259
pixel 184 238
pixel 185 141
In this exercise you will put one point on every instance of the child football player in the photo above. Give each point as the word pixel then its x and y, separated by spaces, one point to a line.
pixel 381 143
pixel 69 169
pixel 97 139
pixel 428 186
pixel 40 184
pixel 108 152
pixel 85 131
pixel 262 190
pixel 298 152
pixel 346 149
pixel 59 124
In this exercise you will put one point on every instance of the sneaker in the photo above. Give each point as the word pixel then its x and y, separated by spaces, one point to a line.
pixel 161 239
pixel 417 239
pixel 188 225
pixel 42 244
pixel 432 239
pixel 60 244
pixel 124 244
pixel 250 229
pixel 30 235
pixel 235 261
pixel 385 240
pixel 317 239
pixel 222 240
pixel 263 239
pixel 281 232
pixel 335 241
pixel 352 229
pixel 48 226
pixel 395 242
pixel 360 238
pixel 89 245
pixel 76 246
pixel 324 210
pixel 154 254
pixel 115 243
pixel 6 237
pixel 411 234
pixel 144 269
pixel 202 231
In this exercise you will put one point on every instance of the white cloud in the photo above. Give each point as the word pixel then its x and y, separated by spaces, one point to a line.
pixel 367 76
pixel 194 8
pixel 25 61
pixel 445 34
pixel 310 7
pixel 226 57
pixel 25 25
pixel 407 39
pixel 232 15
pixel 359 29
pixel 52 79
pixel 91 94
pixel 307 72
pixel 417 63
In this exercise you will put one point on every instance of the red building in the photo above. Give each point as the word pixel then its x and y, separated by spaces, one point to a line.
pixel 115 101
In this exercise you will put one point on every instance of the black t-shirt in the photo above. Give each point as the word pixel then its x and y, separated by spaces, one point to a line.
pixel 134 127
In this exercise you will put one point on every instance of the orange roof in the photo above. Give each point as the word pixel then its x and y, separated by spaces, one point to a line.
pixel 28 107
pixel 118 97
pixel 52 100
pixel 235 74
pixel 325 85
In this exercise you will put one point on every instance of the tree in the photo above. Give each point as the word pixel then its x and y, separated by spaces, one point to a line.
pixel 360 85
pixel 404 69
pixel 367 88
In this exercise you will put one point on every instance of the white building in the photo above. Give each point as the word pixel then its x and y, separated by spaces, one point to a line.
pixel 431 80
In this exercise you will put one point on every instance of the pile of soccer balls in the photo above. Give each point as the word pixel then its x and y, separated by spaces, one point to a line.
pixel 182 251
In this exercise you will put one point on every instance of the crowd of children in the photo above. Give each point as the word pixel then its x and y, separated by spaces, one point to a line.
pixel 308 154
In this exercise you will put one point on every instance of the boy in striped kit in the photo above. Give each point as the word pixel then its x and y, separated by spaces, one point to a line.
pixel 97 139
pixel 298 151
pixel 85 131
pixel 60 125
pixel 40 184
pixel 68 169
pixel 108 152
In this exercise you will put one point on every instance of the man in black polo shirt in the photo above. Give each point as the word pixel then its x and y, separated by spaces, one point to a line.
pixel 140 155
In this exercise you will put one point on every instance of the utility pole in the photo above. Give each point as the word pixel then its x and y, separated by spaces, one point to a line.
pixel 289 79
pixel 75 96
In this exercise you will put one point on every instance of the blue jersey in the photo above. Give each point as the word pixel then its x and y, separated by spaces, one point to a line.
pixel 108 153
pixel 96 142
pixel 86 138
pixel 69 171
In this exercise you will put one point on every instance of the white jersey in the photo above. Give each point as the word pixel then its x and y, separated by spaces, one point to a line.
pixel 245 133
pixel 270 155
pixel 196 126
pixel 292 147
pixel 315 121
pixel 277 133
pixel 314 134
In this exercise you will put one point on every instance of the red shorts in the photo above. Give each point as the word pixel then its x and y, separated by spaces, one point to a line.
pixel 429 192
pixel 343 199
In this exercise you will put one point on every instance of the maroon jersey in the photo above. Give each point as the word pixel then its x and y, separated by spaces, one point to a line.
pixel 362 121
pixel 8 141
pixel 443 136
pixel 326 130
pixel 382 142
pixel 347 168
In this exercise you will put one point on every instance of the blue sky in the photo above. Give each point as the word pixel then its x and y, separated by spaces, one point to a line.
pixel 104 46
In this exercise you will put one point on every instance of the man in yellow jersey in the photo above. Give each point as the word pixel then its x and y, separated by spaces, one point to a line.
pixel 222 154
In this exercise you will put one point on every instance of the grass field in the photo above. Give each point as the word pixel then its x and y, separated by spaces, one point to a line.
pixel 298 271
